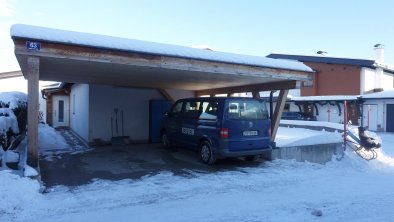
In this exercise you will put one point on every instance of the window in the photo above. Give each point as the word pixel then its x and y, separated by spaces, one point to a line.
pixel 74 104
pixel 191 109
pixel 209 110
pixel 61 111
pixel 247 110
pixel 176 109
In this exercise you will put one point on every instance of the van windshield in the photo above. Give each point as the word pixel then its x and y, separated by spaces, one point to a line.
pixel 247 109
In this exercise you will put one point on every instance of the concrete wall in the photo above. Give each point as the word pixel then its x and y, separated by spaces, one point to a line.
pixel 135 106
pixel 79 110
pixel 319 153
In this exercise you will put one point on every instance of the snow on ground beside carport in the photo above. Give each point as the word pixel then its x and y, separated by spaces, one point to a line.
pixel 338 126
pixel 288 137
pixel 16 194
pixel 348 190
pixel 51 143
pixel 50 139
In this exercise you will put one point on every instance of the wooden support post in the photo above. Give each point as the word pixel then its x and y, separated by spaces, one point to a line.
pixel 280 105
pixel 256 95
pixel 32 74
pixel 167 95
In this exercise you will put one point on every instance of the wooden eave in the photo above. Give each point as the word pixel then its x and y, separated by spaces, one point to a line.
pixel 92 65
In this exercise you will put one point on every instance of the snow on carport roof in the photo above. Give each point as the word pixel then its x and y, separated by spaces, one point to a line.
pixel 108 42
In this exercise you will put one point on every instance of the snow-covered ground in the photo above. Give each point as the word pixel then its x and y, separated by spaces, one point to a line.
pixel 282 190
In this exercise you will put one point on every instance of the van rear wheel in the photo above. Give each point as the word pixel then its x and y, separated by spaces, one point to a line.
pixel 206 153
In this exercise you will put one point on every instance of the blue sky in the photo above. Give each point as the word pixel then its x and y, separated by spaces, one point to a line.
pixel 255 27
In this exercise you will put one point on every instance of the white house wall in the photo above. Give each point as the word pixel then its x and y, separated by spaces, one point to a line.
pixel 135 106
pixel 79 110
pixel 387 81
pixel 367 80
pixel 369 76
pixel 42 109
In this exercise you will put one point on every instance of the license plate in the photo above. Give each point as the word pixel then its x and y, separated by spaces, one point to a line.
pixel 250 133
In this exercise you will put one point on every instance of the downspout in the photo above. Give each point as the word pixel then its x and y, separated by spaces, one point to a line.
pixel 316 109
pixel 339 108
pixel 360 104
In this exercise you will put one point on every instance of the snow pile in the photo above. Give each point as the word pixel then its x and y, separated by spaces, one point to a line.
pixel 17 194
pixel 288 137
pixel 338 126
pixel 50 139
pixel 15 99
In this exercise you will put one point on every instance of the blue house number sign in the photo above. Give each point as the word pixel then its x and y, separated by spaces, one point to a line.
pixel 33 46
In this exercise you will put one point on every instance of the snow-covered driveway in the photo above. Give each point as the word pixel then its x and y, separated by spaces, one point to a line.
pixel 283 190
pixel 349 190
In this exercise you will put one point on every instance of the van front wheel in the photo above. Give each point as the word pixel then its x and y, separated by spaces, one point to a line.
pixel 206 153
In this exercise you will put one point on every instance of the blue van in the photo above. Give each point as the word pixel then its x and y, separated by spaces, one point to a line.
pixel 218 127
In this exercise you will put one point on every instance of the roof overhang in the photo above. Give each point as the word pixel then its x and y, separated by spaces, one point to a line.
pixel 12 74
pixel 92 64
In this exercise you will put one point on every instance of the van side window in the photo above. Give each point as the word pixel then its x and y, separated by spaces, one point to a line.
pixel 247 110
pixel 192 109
pixel 209 110
pixel 176 109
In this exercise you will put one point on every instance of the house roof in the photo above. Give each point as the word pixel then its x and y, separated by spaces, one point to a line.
pixel 75 57
pixel 335 60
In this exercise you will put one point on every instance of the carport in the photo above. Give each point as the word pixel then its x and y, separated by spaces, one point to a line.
pixel 65 56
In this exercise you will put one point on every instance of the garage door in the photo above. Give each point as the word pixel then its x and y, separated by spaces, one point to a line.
pixel 156 110
pixel 390 118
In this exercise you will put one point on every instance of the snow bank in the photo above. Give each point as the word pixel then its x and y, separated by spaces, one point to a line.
pixel 288 137
pixel 17 194
pixel 50 139
pixel 338 126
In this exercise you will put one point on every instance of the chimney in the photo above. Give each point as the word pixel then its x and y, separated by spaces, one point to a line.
pixel 379 53
pixel 379 58
pixel 322 53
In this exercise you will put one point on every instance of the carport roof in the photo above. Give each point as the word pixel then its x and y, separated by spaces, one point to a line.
pixel 131 45
pixel 77 57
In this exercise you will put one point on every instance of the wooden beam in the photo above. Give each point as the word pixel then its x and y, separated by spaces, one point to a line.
pixel 113 56
pixel 6 75
pixel 167 95
pixel 32 73
pixel 280 105
pixel 290 84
